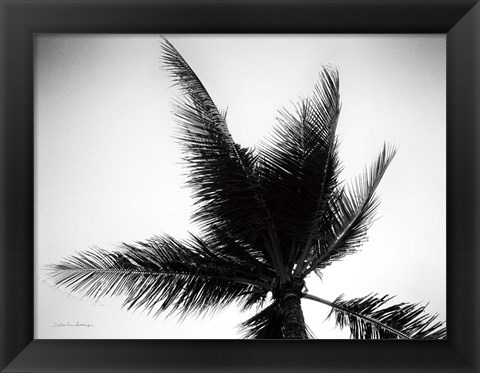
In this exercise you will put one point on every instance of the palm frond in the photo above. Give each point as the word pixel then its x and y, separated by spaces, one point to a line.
pixel 238 251
pixel 298 166
pixel 222 173
pixel 266 324
pixel 255 298
pixel 222 190
pixel 160 273
pixel 323 217
pixel 191 86
pixel 369 318
pixel 354 210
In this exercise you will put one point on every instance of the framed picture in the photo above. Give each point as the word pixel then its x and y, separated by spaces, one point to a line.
pixel 102 104
pixel 73 154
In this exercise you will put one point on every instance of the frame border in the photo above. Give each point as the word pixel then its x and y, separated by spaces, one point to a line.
pixel 20 20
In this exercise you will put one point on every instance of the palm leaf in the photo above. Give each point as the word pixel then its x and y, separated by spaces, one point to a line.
pixel 354 210
pixel 266 324
pixel 224 196
pixel 161 273
pixel 371 318
pixel 298 165
pixel 238 251
pixel 222 173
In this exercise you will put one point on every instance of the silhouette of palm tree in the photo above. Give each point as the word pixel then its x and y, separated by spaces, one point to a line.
pixel 268 217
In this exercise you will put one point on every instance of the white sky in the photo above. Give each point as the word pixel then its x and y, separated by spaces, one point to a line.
pixel 108 170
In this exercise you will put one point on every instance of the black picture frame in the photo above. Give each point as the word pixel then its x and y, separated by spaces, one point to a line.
pixel 20 20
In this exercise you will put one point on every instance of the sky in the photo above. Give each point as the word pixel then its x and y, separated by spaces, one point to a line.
pixel 108 170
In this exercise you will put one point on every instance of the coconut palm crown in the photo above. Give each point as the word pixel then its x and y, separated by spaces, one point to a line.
pixel 267 217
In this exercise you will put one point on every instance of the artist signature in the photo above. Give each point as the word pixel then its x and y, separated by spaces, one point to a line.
pixel 71 324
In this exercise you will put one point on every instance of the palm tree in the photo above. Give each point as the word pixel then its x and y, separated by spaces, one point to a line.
pixel 268 218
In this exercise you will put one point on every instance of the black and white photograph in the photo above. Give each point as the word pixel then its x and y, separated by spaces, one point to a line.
pixel 194 186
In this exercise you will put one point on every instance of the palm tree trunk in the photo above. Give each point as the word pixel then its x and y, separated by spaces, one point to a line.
pixel 293 323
